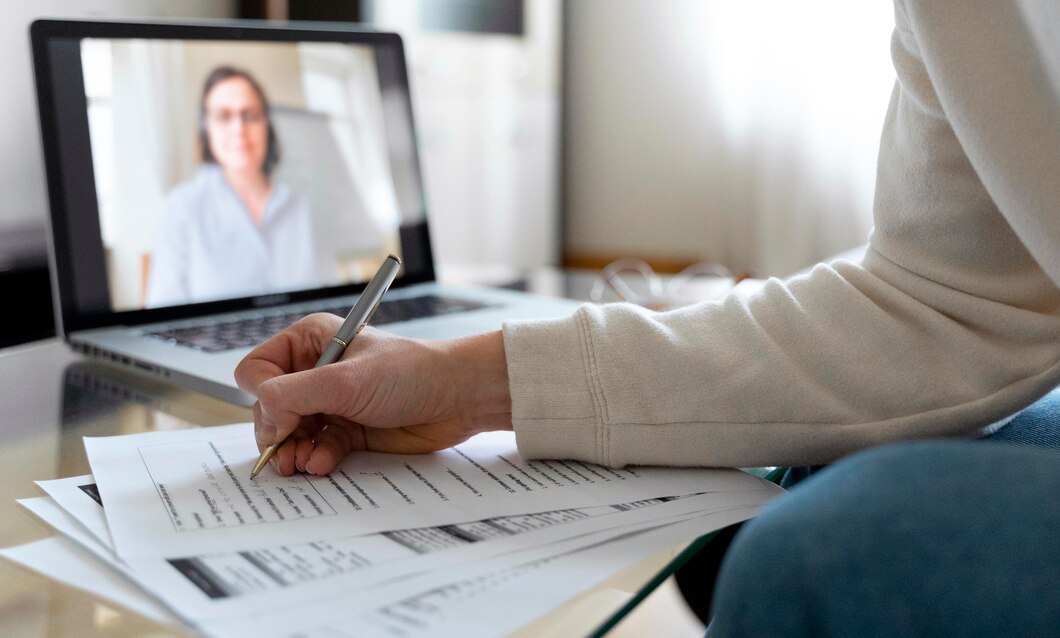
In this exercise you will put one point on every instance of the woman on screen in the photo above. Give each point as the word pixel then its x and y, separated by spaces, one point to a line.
pixel 234 229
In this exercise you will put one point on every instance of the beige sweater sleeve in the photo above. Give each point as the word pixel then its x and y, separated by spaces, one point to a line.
pixel 950 323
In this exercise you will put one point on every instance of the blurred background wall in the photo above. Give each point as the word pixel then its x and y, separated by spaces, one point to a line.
pixel 742 132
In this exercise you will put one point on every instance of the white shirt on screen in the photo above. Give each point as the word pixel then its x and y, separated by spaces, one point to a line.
pixel 208 247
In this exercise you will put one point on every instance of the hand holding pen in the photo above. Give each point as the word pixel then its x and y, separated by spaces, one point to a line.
pixel 356 320
pixel 386 393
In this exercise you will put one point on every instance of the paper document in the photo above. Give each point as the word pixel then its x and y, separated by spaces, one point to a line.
pixel 76 532
pixel 226 553
pixel 481 605
pixel 48 510
pixel 179 579
pixel 212 585
pixel 478 599
pixel 473 600
pixel 79 496
pixel 66 562
pixel 186 493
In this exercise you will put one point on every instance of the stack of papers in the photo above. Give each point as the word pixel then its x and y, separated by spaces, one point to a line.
pixel 473 540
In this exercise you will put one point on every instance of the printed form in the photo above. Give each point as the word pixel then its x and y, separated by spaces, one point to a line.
pixel 296 614
pixel 414 607
pixel 186 493
pixel 485 598
pixel 253 581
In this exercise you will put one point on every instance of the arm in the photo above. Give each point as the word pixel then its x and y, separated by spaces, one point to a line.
pixel 995 70
pixel 949 324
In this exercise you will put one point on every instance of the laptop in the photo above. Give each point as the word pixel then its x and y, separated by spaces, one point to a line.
pixel 211 183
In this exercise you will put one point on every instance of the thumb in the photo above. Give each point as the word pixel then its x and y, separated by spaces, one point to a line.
pixel 285 399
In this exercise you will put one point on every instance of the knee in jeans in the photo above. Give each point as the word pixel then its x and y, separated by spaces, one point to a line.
pixel 854 496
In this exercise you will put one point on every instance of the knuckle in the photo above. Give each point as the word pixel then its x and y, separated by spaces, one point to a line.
pixel 317 320
pixel 308 320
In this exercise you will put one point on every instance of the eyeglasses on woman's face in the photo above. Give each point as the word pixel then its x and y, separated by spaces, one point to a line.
pixel 224 117
pixel 233 100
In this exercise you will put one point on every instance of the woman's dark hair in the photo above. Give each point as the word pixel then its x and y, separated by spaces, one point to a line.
pixel 218 75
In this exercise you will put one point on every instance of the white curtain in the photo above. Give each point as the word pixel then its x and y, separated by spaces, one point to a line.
pixel 151 150
pixel 742 132
pixel 801 89
pixel 342 83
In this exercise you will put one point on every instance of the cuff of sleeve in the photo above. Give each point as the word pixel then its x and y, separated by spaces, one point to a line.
pixel 555 411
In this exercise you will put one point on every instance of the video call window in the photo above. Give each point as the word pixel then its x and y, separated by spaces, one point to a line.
pixel 235 169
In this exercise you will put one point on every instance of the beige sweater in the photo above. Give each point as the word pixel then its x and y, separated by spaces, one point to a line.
pixel 950 323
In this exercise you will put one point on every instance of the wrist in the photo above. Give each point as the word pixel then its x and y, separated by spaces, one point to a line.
pixel 483 394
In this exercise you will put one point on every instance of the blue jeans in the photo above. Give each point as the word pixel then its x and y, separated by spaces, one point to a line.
pixel 939 538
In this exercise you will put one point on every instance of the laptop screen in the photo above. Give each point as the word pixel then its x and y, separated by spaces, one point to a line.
pixel 225 167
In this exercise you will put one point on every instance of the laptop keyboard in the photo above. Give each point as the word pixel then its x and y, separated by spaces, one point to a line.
pixel 250 331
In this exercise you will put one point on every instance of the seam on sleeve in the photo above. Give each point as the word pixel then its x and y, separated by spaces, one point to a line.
pixel 602 447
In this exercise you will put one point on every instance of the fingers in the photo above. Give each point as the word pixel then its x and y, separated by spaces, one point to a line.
pixel 290 392
pixel 332 445
pixel 259 439
pixel 320 455
pixel 295 452
pixel 296 348
pixel 285 401
pixel 293 455
pixel 283 460
pixel 302 449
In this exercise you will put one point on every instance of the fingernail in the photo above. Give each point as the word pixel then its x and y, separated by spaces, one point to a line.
pixel 275 465
pixel 265 434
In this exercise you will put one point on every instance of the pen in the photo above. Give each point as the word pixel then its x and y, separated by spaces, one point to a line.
pixel 358 318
